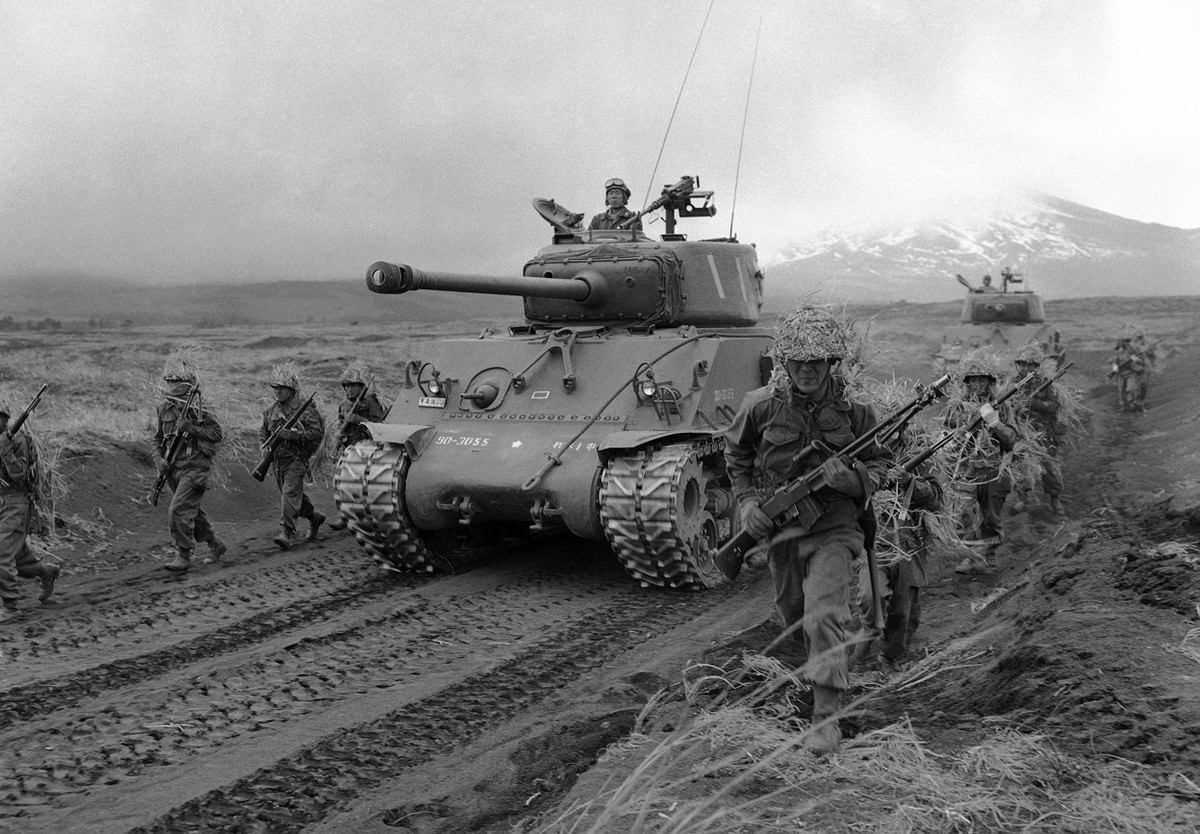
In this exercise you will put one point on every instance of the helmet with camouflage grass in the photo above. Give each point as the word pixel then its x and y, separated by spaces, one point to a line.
pixel 980 363
pixel 356 372
pixel 809 333
pixel 285 376
pixel 180 366
pixel 1031 354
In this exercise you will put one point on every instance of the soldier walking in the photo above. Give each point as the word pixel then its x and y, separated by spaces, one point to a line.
pixel 19 478
pixel 292 450
pixel 769 444
pixel 187 472
pixel 361 405
pixel 980 473
pixel 1041 408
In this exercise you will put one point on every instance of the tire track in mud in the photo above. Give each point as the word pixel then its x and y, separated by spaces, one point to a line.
pixel 155 616
pixel 302 789
pixel 107 742
pixel 22 703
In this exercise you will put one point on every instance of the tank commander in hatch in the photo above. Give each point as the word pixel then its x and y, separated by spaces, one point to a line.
pixel 616 195
pixel 987 285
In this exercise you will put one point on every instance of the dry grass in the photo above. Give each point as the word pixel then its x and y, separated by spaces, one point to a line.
pixel 742 767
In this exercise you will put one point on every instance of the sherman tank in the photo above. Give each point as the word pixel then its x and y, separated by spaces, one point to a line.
pixel 601 414
pixel 1004 319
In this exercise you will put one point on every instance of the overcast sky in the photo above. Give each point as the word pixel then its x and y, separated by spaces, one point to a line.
pixel 197 141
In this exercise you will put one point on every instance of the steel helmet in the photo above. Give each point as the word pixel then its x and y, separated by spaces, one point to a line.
pixel 177 369
pixel 809 333
pixel 285 376
pixel 1032 353
pixel 355 372
pixel 979 363
pixel 619 184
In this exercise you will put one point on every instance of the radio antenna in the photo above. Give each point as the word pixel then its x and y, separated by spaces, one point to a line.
pixel 742 139
pixel 671 120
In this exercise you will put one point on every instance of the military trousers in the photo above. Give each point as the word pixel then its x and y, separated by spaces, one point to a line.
pixel 812 578
pixel 16 559
pixel 187 520
pixel 900 600
pixel 981 517
pixel 289 477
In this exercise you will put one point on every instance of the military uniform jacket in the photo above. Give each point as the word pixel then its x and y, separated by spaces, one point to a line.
pixel 310 426
pixel 984 447
pixel 369 410
pixel 612 219
pixel 1042 410
pixel 772 426
pixel 201 443
pixel 18 464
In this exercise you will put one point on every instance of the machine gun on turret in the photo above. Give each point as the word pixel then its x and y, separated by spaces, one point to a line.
pixel 678 198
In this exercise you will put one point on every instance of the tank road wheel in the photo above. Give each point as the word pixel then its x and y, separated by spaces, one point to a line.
pixel 369 491
pixel 654 506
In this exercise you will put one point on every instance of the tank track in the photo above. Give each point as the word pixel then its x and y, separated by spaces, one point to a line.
pixel 369 491
pixel 654 508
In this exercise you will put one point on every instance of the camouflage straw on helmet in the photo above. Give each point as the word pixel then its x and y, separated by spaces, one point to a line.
pixel 356 371
pixel 285 376
pixel 180 365
pixel 808 333
pixel 1031 353
pixel 981 362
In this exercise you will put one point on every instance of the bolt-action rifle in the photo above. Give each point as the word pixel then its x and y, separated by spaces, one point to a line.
pixel 345 424
pixel 911 466
pixel 173 450
pixel 14 426
pixel 268 446
pixel 795 500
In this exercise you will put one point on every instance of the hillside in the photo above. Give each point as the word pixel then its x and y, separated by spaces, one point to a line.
pixel 1063 249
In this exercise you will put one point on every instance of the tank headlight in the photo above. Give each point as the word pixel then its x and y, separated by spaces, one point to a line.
pixel 434 387
pixel 647 388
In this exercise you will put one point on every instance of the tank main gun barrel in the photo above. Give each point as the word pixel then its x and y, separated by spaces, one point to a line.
pixel 388 278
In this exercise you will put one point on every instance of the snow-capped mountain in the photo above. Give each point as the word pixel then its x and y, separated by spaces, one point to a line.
pixel 1062 249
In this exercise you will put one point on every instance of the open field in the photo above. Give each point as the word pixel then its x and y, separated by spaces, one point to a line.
pixel 541 691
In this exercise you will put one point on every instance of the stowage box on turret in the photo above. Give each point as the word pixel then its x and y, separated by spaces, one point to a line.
pixel 602 414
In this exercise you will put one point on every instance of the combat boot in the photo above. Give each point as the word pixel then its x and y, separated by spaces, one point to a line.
pixel 825 736
pixel 338 523
pixel 180 563
pixel 217 548
pixel 49 577
pixel 285 539
pixel 314 524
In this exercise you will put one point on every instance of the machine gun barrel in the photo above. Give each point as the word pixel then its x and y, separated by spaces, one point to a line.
pixel 388 278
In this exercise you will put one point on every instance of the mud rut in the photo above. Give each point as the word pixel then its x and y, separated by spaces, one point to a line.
pixel 310 691
pixel 264 696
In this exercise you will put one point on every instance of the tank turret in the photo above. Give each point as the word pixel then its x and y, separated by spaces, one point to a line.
pixel 999 317
pixel 601 415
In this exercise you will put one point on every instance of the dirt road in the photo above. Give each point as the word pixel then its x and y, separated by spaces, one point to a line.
pixel 305 690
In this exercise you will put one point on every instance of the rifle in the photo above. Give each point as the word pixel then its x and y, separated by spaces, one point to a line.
pixel 794 500
pixel 268 446
pixel 15 425
pixel 177 441
pixel 346 423
pixel 912 465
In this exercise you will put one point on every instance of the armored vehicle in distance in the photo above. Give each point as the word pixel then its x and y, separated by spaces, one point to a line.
pixel 601 414
pixel 1001 318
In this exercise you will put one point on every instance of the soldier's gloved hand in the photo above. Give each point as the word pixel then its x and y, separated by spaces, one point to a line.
pixel 184 426
pixel 354 419
pixel 289 434
pixel 163 466
pixel 841 477
pixel 990 418
pixel 755 520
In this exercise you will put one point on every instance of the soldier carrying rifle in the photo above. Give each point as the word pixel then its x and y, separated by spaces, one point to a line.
pixel 781 432
pixel 185 439
pixel 19 478
pixel 291 433
pixel 361 405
